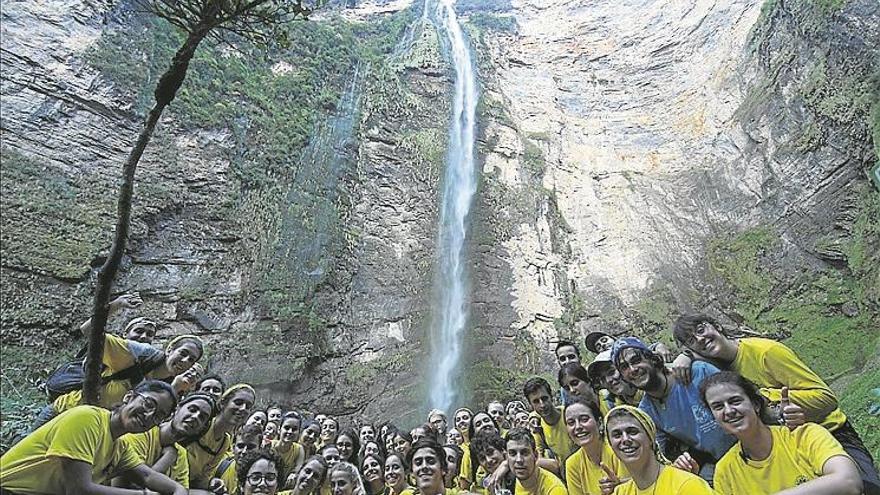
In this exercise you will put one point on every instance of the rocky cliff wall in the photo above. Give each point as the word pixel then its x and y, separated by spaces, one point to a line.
pixel 638 158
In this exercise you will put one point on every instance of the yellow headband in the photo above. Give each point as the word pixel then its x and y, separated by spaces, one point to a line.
pixel 236 387
pixel 177 339
pixel 644 421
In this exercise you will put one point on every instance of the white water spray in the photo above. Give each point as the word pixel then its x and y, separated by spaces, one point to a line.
pixel 459 187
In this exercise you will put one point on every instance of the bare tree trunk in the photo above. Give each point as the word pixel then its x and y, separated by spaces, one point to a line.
pixel 165 92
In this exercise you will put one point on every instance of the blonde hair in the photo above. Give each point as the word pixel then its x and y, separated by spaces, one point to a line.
pixel 352 472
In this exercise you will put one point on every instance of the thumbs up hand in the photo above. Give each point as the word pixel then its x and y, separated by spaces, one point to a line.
pixel 607 484
pixel 793 414
pixel 687 463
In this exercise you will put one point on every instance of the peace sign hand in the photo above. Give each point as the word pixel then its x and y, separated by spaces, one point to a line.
pixel 607 484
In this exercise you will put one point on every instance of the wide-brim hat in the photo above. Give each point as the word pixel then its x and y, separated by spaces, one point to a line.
pixel 600 363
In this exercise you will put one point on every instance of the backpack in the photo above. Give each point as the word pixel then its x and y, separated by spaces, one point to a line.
pixel 70 376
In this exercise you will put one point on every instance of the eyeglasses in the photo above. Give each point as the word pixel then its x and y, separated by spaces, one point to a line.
pixel 257 478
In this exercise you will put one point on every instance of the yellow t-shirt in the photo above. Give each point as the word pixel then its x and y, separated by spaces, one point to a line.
pixel 292 458
pixel 148 449
pixel 582 476
pixel 672 481
pixel 33 465
pixel 230 479
pixel 117 357
pixel 557 438
pixel 206 454
pixel 796 456
pixel 772 365
pixel 548 484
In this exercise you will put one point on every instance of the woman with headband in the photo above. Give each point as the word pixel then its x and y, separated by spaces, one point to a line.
pixel 632 436
pixel 125 364
pixel 206 453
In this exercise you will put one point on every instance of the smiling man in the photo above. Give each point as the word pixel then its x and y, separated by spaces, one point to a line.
pixel 429 467
pixel 522 459
pixel 540 397
pixel 773 367
pixel 675 407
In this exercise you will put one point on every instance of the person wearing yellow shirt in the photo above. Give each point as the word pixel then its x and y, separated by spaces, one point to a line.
pixel 79 449
pixel 538 394
pixel 772 366
pixel 311 477
pixel 247 438
pixel 206 453
pixel 522 460
pixel 159 447
pixel 632 436
pixel 491 453
pixel 292 454
pixel 805 460
pixel 586 471
pixel 374 480
pixel 259 473
pixel 470 470
pixel 396 471
pixel 138 361
pixel 427 459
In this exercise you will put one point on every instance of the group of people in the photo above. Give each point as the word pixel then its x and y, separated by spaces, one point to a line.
pixel 736 416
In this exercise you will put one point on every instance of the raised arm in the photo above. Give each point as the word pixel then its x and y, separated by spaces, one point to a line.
pixel 127 301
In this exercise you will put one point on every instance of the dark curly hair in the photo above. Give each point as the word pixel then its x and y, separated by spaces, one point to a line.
pixel 247 460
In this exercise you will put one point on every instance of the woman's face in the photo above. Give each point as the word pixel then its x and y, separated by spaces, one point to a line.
pixel 371 448
pixel 346 447
pixel 238 407
pixel 401 445
pixel 331 455
pixel 581 425
pixel 270 430
pixel 329 429
pixel 628 439
pixel 341 483
pixel 483 422
pixel 183 357
pixel 462 421
pixel 141 411
pixel 262 477
pixel 310 434
pixel 289 432
pixel 389 443
pixel 429 471
pixel 452 467
pixel 395 476
pixel 308 477
pixel 372 470
pixel 191 418
pixel 454 437
pixel 257 418
pixel 212 387
pixel 189 377
pixel 578 388
pixel 732 408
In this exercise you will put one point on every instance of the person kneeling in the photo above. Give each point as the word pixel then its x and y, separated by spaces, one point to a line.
pixel 806 460
pixel 78 450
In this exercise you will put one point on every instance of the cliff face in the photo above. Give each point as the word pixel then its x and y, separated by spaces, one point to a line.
pixel 638 159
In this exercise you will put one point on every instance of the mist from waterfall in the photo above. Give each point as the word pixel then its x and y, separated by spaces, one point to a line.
pixel 459 187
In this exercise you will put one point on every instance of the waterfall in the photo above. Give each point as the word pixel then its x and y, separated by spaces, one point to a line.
pixel 459 187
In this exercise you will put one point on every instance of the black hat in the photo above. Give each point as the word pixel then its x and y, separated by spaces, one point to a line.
pixel 591 338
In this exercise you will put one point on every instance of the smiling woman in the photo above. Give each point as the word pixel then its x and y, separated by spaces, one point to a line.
pixel 632 435
pixel 75 452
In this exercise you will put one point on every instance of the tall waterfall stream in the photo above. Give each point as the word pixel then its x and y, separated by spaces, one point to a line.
pixel 459 188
